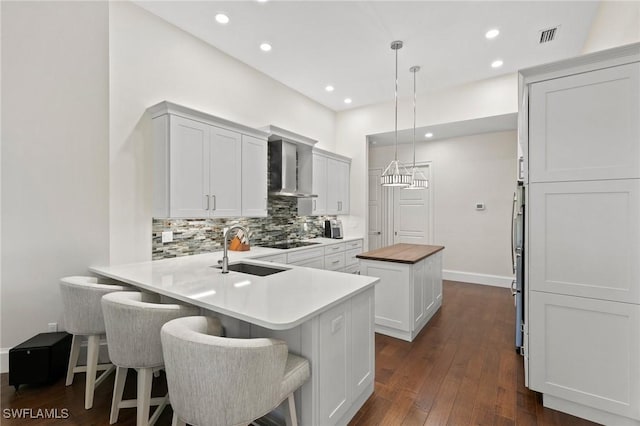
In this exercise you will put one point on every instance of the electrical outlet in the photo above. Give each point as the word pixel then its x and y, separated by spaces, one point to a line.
pixel 167 236
pixel 53 327
pixel 480 206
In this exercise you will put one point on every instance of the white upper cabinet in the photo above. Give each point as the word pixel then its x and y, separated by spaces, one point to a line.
pixel 254 176
pixel 226 173
pixel 585 126
pixel 319 185
pixel 205 166
pixel 331 180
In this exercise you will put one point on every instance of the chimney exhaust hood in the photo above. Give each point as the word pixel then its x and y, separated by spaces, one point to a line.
pixel 290 164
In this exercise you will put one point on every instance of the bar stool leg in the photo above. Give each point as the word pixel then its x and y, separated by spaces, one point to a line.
pixel 292 418
pixel 118 388
pixel 73 359
pixel 93 348
pixel 145 376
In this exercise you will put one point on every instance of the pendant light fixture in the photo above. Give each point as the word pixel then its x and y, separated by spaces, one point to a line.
pixel 418 180
pixel 396 174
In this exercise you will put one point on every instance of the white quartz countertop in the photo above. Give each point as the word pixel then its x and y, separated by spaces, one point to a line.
pixel 280 301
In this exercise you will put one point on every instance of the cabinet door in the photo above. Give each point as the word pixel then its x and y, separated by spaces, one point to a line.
pixel 333 186
pixel 254 176
pixel 315 263
pixel 584 239
pixel 436 272
pixel 419 297
pixel 335 364
pixel 188 168
pixel 586 351
pixel 226 173
pixel 429 287
pixel 319 204
pixel 343 169
pixel 392 293
pixel 362 342
pixel 585 126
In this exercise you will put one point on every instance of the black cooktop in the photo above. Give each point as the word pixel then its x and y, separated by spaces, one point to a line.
pixel 289 244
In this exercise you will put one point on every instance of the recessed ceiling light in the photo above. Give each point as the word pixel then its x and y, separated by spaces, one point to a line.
pixel 497 63
pixel 265 47
pixel 347 100
pixel 492 33
pixel 329 88
pixel 428 135
pixel 262 1
pixel 221 18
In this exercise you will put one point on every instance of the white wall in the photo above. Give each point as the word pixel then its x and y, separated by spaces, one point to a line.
pixel 476 100
pixel 615 24
pixel 152 61
pixel 466 170
pixel 55 185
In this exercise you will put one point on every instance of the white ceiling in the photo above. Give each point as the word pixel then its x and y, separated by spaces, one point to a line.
pixel 347 44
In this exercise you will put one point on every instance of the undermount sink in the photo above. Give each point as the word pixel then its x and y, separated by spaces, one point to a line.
pixel 252 269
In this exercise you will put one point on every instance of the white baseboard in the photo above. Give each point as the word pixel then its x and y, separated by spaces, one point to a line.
pixel 4 360
pixel 474 278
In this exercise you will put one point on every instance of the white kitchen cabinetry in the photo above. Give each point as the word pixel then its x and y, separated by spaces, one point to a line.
pixel 199 166
pixel 582 311
pixel 586 351
pixel 254 177
pixel 331 180
pixel 407 296
pixel 585 126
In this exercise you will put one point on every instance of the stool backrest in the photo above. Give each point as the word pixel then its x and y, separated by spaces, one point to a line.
pixel 220 381
pixel 133 321
pixel 82 310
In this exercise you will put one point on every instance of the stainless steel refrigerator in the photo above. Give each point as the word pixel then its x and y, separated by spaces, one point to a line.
pixel 517 259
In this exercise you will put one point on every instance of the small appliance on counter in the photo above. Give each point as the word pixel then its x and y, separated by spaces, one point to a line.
pixel 333 229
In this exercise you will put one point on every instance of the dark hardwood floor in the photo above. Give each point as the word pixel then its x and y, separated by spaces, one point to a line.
pixel 461 370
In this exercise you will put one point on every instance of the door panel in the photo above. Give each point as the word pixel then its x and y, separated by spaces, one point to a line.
pixel 573 137
pixel 189 163
pixel 375 209
pixel 585 239
pixel 411 215
pixel 226 173
pixel 254 176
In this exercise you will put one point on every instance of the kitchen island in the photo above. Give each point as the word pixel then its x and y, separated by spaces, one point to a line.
pixel 410 289
pixel 324 316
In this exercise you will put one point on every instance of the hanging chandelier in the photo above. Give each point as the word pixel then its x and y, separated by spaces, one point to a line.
pixel 396 174
pixel 418 180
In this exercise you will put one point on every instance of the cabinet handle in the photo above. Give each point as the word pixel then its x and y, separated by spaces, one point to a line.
pixel 214 202
pixel 339 206
pixel 315 205
pixel 335 261
pixel 266 204
pixel 207 208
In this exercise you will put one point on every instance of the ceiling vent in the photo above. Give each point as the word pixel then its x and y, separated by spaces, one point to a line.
pixel 548 35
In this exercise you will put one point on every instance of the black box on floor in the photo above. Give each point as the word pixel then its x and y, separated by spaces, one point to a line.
pixel 41 359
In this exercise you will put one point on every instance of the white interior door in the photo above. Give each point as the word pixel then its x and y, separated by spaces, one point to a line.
pixel 375 209
pixel 412 214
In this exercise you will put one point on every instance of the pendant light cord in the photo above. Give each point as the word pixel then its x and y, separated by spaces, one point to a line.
pixel 396 97
pixel 414 118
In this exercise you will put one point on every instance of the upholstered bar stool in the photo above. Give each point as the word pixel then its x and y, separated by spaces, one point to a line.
pixel 83 317
pixel 221 381
pixel 133 321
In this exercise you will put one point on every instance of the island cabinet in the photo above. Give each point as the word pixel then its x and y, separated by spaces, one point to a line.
pixel 410 289
pixel 205 166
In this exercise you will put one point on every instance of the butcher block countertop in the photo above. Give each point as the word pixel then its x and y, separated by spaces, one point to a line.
pixel 401 253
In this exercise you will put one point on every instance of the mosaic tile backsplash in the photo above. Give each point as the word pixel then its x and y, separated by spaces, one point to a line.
pixel 195 236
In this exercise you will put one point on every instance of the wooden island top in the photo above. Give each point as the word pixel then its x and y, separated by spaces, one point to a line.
pixel 401 253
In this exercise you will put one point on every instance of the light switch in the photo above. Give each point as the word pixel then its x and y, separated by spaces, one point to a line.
pixel 167 236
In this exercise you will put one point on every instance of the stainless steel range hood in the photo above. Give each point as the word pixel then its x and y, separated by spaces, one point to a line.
pixel 290 170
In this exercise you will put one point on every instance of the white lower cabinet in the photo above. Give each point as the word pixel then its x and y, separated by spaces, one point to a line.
pixel 407 296
pixel 315 262
pixel 570 336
